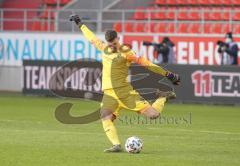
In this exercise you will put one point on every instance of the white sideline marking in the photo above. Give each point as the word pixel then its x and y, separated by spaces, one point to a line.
pixel 21 121
pixel 203 131
pixel 54 131
pixel 212 132
pixel 151 128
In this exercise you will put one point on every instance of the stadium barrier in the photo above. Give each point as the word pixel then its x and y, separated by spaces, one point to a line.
pixel 200 83
pixel 190 49
pixel 11 78
pixel 16 47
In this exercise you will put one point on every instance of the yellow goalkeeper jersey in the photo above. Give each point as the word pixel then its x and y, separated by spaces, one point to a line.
pixel 116 65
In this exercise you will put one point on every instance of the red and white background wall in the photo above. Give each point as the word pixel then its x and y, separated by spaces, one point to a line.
pixel 189 49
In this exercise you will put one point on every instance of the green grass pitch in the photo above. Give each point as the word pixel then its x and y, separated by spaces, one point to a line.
pixel 31 136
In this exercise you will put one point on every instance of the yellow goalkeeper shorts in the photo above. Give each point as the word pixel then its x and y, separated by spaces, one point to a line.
pixel 123 98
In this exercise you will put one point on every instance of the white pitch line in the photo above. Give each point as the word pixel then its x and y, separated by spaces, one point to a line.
pixel 203 131
pixel 70 132
pixel 151 128
pixel 212 132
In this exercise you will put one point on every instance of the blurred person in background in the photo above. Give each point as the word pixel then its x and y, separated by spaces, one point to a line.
pixel 170 58
pixel 163 52
pixel 228 50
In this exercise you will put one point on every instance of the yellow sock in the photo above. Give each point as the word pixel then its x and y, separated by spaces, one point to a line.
pixel 159 104
pixel 110 131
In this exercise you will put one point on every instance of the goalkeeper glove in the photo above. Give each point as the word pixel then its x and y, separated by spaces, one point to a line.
pixel 174 78
pixel 76 19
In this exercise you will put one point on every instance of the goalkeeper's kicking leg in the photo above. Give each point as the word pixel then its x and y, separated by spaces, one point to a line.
pixel 151 111
pixel 107 117
pixel 155 110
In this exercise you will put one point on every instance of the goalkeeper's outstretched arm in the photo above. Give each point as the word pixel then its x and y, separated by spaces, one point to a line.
pixel 88 34
pixel 174 78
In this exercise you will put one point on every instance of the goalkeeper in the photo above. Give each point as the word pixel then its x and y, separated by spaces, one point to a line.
pixel 118 92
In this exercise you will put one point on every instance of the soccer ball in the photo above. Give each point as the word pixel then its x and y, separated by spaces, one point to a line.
pixel 133 145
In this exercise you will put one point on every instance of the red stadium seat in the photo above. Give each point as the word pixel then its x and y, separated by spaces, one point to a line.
pixel 42 25
pixel 183 28
pixel 54 2
pixel 227 2
pixel 195 28
pixel 128 27
pixel 194 14
pixel 150 12
pixel 226 28
pixel 150 27
pixel 170 2
pixel 160 2
pixel 139 27
pixel 183 14
pixel 236 15
pixel 50 2
pixel 211 13
pixel 226 14
pixel 118 27
pixel 207 28
pixel 159 15
pixel 192 2
pixel 170 14
pixel 139 14
pixel 160 28
pixel 170 28
pixel 203 2
pixel 207 13
pixel 64 2
pixel 217 28
pixel 181 2
pixel 49 12
pixel 215 2
pixel 235 2
pixel 216 14
pixel 236 28
pixel 36 26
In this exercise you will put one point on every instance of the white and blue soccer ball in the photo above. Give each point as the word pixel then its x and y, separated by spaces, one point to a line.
pixel 133 145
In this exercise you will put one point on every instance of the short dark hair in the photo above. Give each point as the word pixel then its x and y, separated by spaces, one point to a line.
pixel 229 35
pixel 165 40
pixel 110 35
